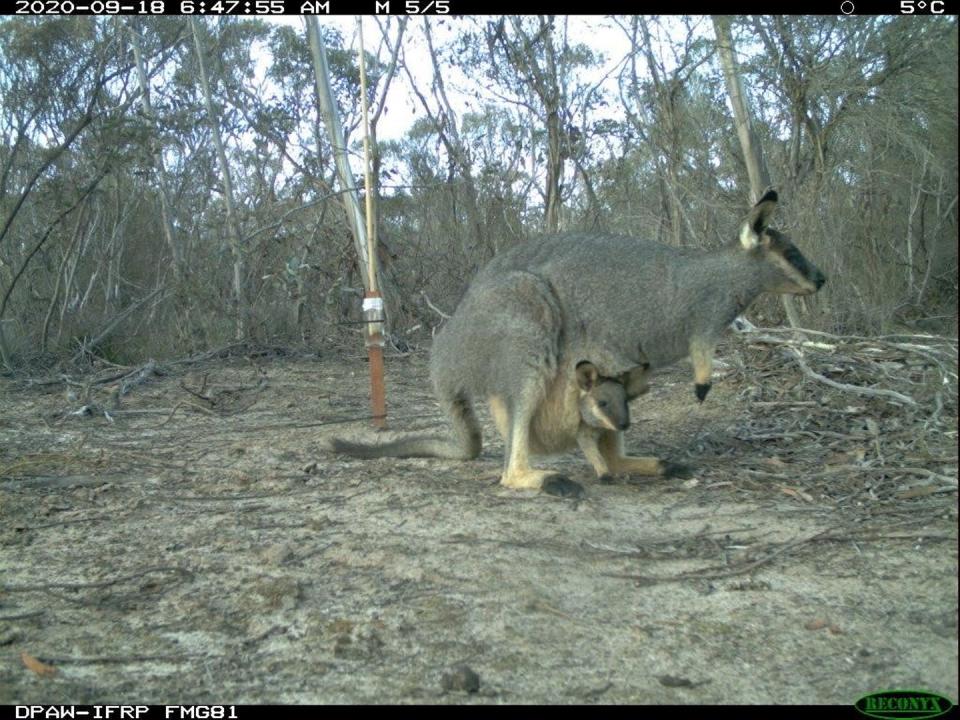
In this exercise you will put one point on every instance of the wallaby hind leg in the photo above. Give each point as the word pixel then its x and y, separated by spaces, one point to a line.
pixel 517 472
pixel 610 446
pixel 466 427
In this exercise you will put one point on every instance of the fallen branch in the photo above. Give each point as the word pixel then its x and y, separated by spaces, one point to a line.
pixel 112 325
pixel 138 377
pixel 184 403
pixel 122 659
pixel 182 572
pixel 433 307
pixel 869 392
pixel 23 616
pixel 824 536
pixel 55 482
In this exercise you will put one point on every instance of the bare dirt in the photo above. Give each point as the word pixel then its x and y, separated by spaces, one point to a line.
pixel 218 555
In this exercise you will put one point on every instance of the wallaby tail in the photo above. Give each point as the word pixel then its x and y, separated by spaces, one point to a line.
pixel 466 445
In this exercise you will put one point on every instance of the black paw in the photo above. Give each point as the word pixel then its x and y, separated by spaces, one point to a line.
pixel 562 487
pixel 676 470
pixel 702 390
pixel 606 479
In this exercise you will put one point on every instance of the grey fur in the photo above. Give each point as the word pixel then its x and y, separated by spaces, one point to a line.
pixel 628 305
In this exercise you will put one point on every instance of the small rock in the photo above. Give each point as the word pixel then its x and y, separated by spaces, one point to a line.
pixel 276 554
pixel 361 644
pixel 278 593
pixel 460 678
pixel 673 681
pixel 750 585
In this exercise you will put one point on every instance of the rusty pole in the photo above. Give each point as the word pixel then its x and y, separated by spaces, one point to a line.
pixel 372 300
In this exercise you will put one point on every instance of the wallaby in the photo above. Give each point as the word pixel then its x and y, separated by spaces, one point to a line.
pixel 604 407
pixel 631 306
pixel 573 411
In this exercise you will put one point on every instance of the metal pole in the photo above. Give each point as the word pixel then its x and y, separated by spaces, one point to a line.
pixel 372 301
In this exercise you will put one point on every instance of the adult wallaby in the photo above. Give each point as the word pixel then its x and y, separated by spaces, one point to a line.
pixel 518 343
pixel 537 309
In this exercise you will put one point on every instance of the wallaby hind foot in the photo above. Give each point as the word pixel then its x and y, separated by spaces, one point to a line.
pixel 648 466
pixel 562 486
pixel 676 470
pixel 548 481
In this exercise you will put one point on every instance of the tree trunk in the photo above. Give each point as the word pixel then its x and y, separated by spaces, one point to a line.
pixel 450 136
pixel 547 86
pixel 350 196
pixel 749 143
pixel 752 152
pixel 232 229
pixel 156 151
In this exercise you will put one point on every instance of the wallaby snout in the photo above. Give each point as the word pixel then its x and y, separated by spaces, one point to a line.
pixel 788 271
pixel 797 275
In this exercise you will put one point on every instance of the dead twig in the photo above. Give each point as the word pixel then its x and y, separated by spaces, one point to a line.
pixel 869 392
pixel 115 322
pixel 121 659
pixel 824 536
pixel 665 540
pixel 172 569
pixel 201 393
pixel 23 616
pixel 132 380
pixel 186 403
pixel 433 307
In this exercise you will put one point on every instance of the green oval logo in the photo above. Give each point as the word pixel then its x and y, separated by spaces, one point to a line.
pixel 903 704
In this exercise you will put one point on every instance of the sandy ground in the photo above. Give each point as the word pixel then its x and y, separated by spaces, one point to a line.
pixel 218 555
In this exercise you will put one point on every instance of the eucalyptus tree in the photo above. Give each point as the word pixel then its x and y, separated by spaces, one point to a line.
pixel 533 67
pixel 666 55
pixel 64 122
pixel 866 108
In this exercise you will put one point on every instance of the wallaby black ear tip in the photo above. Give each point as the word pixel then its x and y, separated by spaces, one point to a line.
pixel 587 374
pixel 770 196
pixel 586 369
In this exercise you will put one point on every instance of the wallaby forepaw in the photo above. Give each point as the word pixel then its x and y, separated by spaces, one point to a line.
pixel 606 479
pixel 702 389
pixel 676 470
pixel 562 487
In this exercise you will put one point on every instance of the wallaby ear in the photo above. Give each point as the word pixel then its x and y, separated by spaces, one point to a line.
pixel 635 382
pixel 642 359
pixel 757 220
pixel 587 375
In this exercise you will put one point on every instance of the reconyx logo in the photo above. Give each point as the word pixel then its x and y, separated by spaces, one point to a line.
pixel 903 705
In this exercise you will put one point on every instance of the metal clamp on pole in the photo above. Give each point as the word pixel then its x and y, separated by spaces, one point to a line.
pixel 373 313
